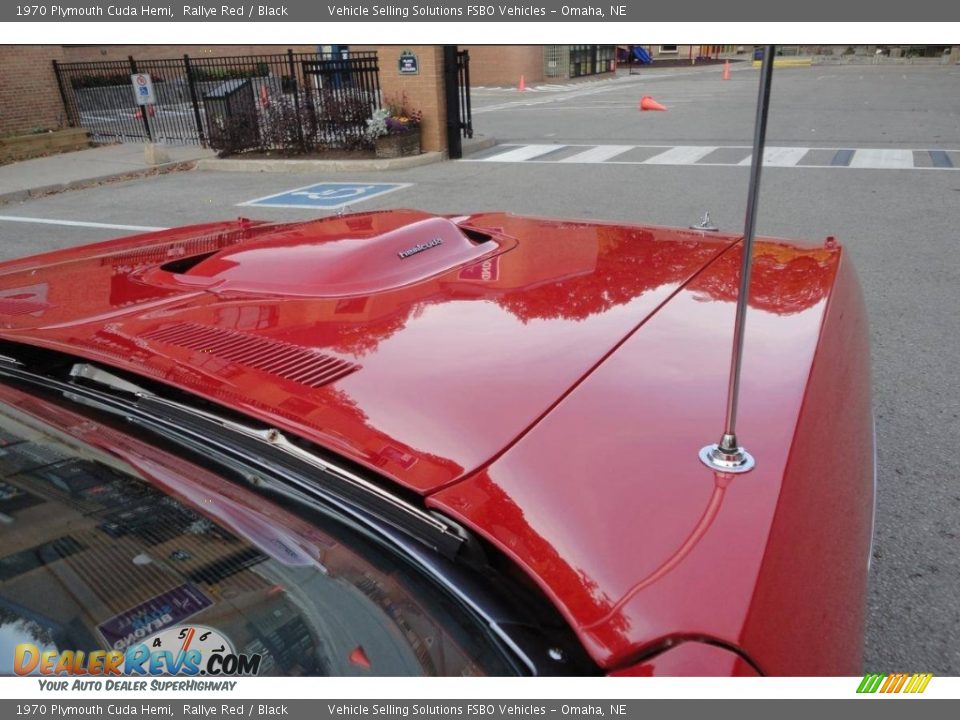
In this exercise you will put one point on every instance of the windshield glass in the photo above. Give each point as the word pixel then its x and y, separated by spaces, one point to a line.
pixel 120 558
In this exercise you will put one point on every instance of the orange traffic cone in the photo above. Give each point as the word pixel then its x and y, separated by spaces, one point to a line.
pixel 648 103
pixel 359 658
pixel 523 84
pixel 726 70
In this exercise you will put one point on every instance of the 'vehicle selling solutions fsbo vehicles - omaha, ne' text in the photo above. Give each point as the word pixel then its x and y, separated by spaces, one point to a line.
pixel 397 443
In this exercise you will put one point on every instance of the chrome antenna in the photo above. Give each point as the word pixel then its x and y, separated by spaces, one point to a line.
pixel 728 455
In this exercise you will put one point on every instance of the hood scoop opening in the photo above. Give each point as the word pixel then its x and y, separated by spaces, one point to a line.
pixel 307 260
pixel 186 264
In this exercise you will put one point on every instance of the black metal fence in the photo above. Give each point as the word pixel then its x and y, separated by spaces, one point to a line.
pixel 463 85
pixel 292 101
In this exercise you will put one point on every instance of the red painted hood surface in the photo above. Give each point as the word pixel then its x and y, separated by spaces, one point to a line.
pixel 453 351
pixel 548 383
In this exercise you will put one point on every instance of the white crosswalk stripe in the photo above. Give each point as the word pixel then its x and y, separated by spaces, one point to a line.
pixel 779 156
pixel 882 159
pixel 680 155
pixel 600 153
pixel 524 152
pixel 729 155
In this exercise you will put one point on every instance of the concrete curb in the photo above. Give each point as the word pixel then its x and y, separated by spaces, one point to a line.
pixel 475 145
pixel 240 165
pixel 28 193
pixel 787 62
pixel 302 166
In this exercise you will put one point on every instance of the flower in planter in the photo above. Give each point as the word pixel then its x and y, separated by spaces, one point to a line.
pixel 394 118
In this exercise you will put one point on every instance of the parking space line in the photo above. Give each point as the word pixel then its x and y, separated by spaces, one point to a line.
pixel 79 223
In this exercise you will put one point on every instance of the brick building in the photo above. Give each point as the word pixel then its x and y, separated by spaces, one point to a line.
pixel 424 91
pixel 505 64
pixel 93 53
pixel 29 98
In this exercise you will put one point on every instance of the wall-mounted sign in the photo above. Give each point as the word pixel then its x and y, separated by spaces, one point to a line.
pixel 408 63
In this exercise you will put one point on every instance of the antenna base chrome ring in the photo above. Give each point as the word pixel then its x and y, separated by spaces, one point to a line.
pixel 727 461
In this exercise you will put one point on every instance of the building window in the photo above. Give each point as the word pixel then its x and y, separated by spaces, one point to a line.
pixel 669 49
pixel 591 59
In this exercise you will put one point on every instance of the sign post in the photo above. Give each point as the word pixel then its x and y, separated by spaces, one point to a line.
pixel 145 96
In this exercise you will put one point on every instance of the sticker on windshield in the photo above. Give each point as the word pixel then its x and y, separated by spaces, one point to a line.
pixel 149 617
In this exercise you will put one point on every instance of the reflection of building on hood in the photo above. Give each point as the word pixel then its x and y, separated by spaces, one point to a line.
pixel 784 279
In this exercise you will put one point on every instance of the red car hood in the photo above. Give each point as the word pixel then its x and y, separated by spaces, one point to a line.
pixel 413 344
pixel 493 363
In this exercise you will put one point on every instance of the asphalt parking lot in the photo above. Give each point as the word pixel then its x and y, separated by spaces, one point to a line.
pixel 869 154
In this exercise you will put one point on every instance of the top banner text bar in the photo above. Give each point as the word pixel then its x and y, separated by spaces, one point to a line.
pixel 299 11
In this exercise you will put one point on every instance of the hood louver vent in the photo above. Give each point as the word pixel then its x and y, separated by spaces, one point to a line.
pixel 282 359
pixel 18 307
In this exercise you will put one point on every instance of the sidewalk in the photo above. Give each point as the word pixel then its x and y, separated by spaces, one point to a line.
pixel 21 180
pixel 68 171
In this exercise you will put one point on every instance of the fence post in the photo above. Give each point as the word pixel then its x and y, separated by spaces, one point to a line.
pixel 63 94
pixel 193 99
pixel 296 98
pixel 143 108
pixel 467 119
pixel 452 96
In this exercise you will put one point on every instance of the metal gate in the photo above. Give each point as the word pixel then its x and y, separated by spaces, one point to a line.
pixel 303 98
pixel 456 69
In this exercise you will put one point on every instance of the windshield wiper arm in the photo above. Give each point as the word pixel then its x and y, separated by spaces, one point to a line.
pixel 266 449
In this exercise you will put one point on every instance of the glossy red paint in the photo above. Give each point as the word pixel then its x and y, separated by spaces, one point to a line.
pixel 452 366
pixel 607 506
pixel 555 405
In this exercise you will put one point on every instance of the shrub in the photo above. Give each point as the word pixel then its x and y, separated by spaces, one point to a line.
pixel 287 128
pixel 235 133
pixel 342 119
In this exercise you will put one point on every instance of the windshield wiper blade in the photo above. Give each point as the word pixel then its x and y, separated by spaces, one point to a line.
pixel 274 450
pixel 266 449
pixel 107 379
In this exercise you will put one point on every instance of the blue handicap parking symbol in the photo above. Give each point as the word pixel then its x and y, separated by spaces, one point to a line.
pixel 326 195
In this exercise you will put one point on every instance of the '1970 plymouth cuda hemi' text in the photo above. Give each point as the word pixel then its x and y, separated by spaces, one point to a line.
pixel 152 11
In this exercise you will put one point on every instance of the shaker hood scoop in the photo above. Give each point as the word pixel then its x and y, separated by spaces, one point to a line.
pixel 297 262
pixel 419 346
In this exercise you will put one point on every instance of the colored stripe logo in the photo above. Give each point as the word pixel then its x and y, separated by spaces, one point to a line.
pixel 894 683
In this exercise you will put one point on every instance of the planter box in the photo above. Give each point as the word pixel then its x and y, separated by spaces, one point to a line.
pixel 23 147
pixel 399 144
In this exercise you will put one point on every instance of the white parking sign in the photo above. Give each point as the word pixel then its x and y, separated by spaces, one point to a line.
pixel 143 89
